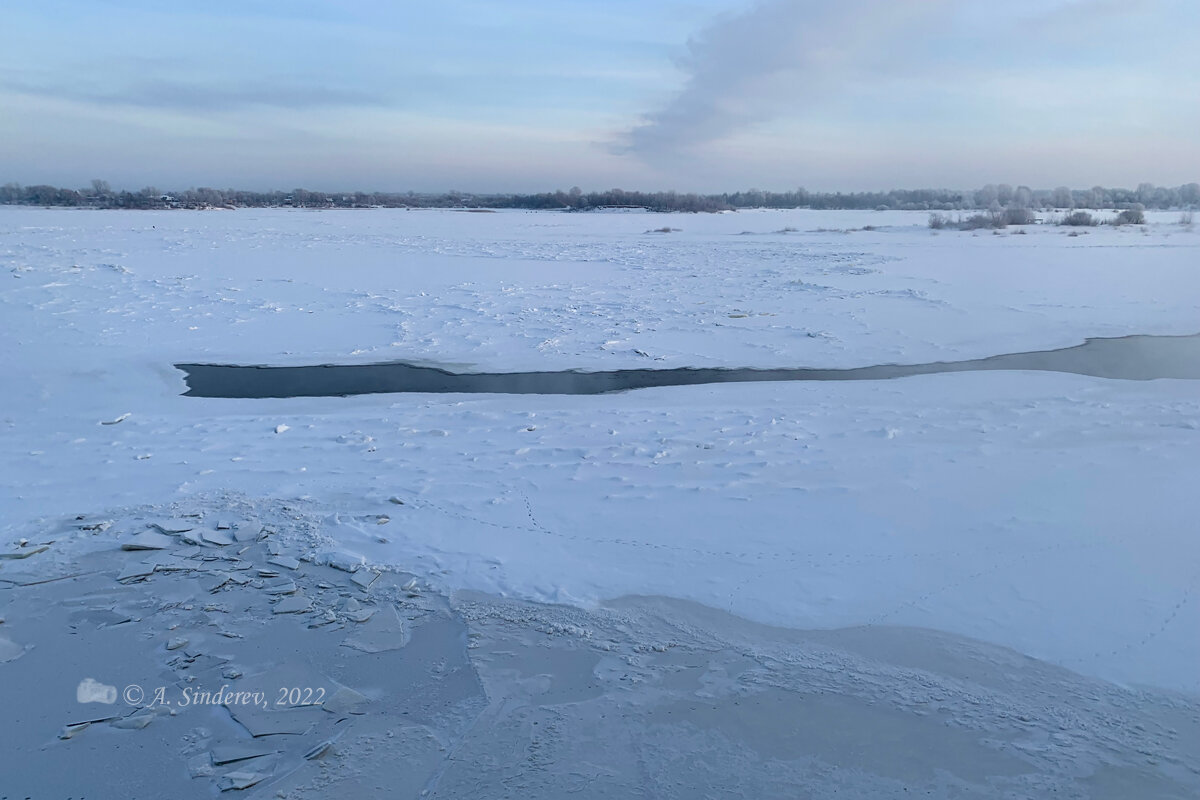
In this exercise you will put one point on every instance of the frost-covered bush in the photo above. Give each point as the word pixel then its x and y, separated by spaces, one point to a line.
pixel 1131 216
pixel 992 219
pixel 1019 216
pixel 1078 219
pixel 977 221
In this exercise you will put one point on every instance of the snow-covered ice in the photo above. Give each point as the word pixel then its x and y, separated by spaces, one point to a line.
pixel 1053 514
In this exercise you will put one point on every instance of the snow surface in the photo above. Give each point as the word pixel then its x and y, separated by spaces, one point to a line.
pixel 1054 514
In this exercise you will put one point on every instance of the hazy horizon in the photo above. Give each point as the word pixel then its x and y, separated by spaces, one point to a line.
pixel 87 187
pixel 685 95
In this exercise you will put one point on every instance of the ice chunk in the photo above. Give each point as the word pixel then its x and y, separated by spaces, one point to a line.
pixel 220 538
pixel 230 753
pixel 219 579
pixel 263 722
pixel 149 540
pixel 173 525
pixel 293 604
pixel 134 722
pixel 363 578
pixel 98 617
pixel 71 731
pixel 241 779
pixel 344 701
pixel 280 586
pixel 360 615
pixel 135 571
pixel 344 560
pixel 382 633
pixel 26 553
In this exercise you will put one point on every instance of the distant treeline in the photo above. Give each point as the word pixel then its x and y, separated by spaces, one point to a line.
pixel 991 197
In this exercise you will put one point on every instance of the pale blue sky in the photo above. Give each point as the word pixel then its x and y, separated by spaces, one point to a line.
pixel 518 95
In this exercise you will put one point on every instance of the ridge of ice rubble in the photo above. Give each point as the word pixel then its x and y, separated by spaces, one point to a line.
pixel 476 692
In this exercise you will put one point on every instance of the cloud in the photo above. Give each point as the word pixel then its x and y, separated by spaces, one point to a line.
pixel 775 58
pixel 947 66
pixel 200 94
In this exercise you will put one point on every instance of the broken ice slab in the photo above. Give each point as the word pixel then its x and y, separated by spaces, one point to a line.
pixel 230 753
pixel 327 617
pixel 167 562
pixel 177 642
pixel 344 560
pixel 224 525
pixel 260 721
pixel 71 731
pixel 134 722
pixel 284 561
pixel 360 615
pixel 345 701
pixel 221 538
pixel 247 532
pixel 219 579
pixel 363 578
pixel 98 618
pixel 293 604
pixel 173 525
pixel 101 525
pixel 354 611
pixel 320 749
pixel 280 586
pixel 202 663
pixel 274 547
pixel 26 553
pixel 135 570
pixel 385 631
pixel 149 540
pixel 241 779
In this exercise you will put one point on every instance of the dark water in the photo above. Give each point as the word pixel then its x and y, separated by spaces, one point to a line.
pixel 1136 358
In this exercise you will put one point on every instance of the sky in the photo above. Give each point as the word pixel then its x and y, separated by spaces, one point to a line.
pixel 525 95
